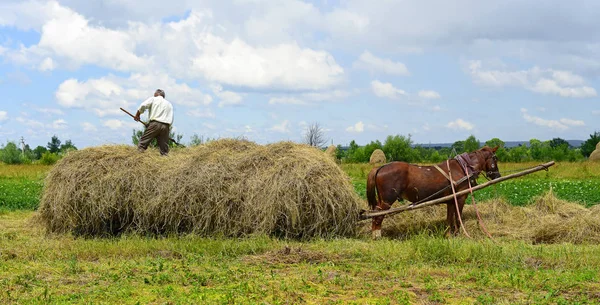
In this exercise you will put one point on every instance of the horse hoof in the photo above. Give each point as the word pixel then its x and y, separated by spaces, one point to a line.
pixel 376 234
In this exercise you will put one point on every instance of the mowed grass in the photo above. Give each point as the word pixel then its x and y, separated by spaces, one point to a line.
pixel 576 182
pixel 41 269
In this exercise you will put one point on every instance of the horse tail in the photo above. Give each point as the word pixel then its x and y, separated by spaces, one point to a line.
pixel 372 188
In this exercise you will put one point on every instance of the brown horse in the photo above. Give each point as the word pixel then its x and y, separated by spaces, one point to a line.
pixel 400 180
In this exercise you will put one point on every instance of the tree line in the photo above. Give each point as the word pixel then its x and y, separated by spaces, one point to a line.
pixel 11 153
pixel 395 148
pixel 402 148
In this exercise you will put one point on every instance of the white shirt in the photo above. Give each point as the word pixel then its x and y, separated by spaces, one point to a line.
pixel 159 109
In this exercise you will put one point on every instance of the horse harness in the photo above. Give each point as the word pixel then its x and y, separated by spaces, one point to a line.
pixel 465 164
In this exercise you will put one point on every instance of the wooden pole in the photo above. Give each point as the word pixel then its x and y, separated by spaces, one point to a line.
pixel 371 214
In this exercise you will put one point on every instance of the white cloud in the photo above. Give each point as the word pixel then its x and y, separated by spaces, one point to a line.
pixel 120 124
pixel 544 81
pixel 105 95
pixel 88 127
pixel 596 112
pixel 209 126
pixel 59 124
pixel 571 122
pixel 195 47
pixel 282 66
pixel 47 65
pixel 287 100
pixel 358 127
pixel 54 111
pixel 227 98
pixel 33 124
pixel 386 90
pixel 460 124
pixel 201 113
pixel 436 108
pixel 372 63
pixel 283 127
pixel 3 116
pixel 429 94
pixel 562 124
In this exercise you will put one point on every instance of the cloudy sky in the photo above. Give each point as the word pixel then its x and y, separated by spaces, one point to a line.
pixel 264 69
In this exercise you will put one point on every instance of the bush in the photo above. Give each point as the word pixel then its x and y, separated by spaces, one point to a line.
pixel 10 154
pixel 49 158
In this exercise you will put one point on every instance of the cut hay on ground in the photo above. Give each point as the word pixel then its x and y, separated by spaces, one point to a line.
pixel 224 188
pixel 546 220
pixel 377 157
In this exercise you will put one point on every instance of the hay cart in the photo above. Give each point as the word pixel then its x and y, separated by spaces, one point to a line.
pixel 370 214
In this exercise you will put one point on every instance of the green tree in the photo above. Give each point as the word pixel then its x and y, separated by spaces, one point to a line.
pixel 54 145
pixel 501 153
pixel 355 153
pixel 556 142
pixel 458 146
pixel 590 144
pixel 399 148
pixel 10 154
pixel 538 150
pixel 340 154
pixel 68 146
pixel 519 154
pixel 495 142
pixel 38 152
pixel 471 144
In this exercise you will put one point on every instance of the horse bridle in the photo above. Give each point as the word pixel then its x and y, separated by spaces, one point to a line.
pixel 495 164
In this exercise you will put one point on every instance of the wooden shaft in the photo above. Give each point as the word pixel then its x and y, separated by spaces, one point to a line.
pixel 397 210
pixel 133 116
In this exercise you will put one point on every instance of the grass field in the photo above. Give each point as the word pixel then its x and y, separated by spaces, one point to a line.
pixel 36 268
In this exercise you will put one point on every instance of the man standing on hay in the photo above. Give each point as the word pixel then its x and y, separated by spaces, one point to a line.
pixel 160 118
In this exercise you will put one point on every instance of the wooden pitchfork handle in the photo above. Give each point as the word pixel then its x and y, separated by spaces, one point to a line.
pixel 131 115
pixel 146 125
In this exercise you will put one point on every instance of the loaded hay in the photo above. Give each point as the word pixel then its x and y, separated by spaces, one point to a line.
pixel 224 188
pixel 377 157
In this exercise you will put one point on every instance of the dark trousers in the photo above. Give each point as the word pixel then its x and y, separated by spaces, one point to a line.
pixel 157 130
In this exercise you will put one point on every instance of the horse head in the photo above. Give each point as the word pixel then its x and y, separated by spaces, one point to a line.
pixel 488 162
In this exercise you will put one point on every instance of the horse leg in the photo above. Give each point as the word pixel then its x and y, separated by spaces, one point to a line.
pixel 461 205
pixel 377 221
pixel 451 219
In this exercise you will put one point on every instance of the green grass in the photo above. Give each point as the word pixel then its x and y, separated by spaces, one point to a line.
pixel 36 268
pixel 19 193
pixel 44 269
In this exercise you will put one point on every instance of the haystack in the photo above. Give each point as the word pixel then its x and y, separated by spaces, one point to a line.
pixel 547 220
pixel 595 155
pixel 331 151
pixel 377 157
pixel 224 188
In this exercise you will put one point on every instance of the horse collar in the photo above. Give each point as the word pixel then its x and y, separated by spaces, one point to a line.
pixel 465 163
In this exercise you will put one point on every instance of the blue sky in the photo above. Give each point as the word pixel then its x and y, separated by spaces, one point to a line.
pixel 264 69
